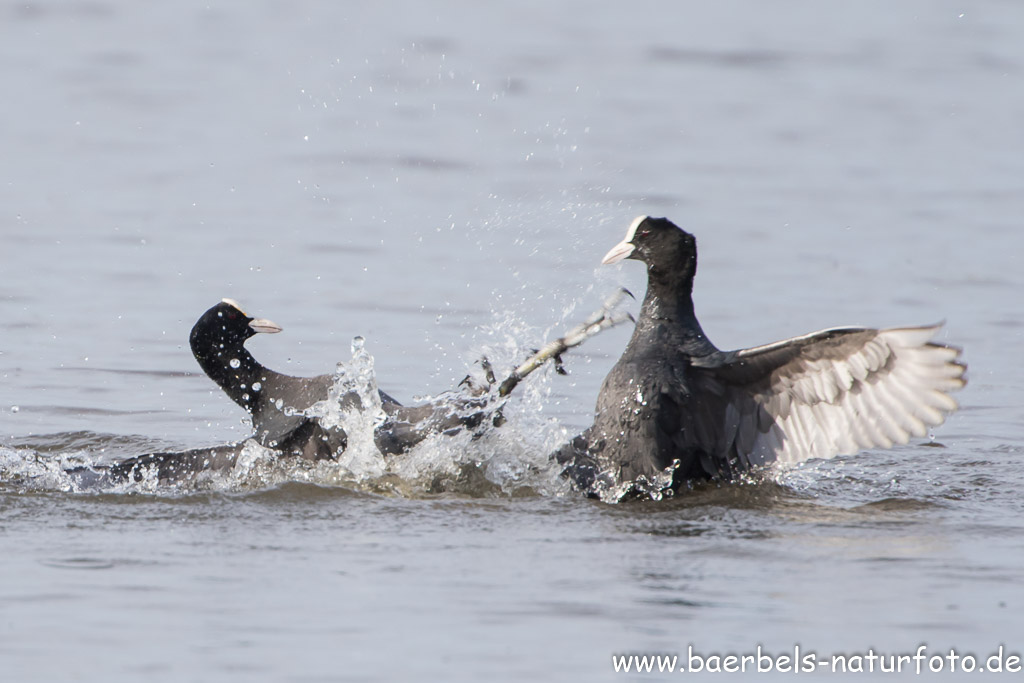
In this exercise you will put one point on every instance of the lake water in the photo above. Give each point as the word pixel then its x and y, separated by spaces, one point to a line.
pixel 443 178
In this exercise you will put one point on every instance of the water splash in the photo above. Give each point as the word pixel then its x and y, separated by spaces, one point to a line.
pixel 482 461
pixel 24 469
pixel 658 486
pixel 354 405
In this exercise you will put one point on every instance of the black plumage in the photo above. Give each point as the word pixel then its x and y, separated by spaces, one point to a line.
pixel 674 408
pixel 277 402
pixel 280 404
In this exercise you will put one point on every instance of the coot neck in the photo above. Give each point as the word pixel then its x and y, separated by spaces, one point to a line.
pixel 234 370
pixel 667 315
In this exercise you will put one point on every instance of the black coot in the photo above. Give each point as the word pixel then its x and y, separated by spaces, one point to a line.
pixel 278 404
pixel 675 404
pixel 276 401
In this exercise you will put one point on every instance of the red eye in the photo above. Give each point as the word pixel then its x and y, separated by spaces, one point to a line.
pixel 644 232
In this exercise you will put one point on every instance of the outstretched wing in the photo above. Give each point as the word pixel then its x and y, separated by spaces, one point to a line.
pixel 832 392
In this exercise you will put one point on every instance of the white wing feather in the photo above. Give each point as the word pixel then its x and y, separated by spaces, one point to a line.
pixel 862 393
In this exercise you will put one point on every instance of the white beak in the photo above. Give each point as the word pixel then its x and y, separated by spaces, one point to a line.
pixel 624 248
pixel 619 252
pixel 264 325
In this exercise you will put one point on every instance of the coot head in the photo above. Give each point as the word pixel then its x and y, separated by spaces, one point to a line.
pixel 226 326
pixel 218 336
pixel 669 251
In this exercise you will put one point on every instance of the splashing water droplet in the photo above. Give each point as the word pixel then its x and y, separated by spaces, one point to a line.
pixel 358 342
pixel 15 409
pixel 256 386
pixel 235 363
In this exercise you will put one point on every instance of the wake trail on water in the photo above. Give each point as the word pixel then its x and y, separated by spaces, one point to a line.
pixel 505 453
pixel 486 460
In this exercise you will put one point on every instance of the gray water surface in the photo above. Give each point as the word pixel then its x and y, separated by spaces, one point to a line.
pixel 443 179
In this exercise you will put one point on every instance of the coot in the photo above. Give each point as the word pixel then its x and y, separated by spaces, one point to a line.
pixel 675 408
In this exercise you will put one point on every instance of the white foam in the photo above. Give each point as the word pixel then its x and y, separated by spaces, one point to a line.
pixel 489 461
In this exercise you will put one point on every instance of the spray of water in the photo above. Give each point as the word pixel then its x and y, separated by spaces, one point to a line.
pixel 502 449
pixel 483 460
